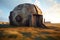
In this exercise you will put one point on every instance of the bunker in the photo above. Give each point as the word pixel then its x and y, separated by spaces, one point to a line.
pixel 26 15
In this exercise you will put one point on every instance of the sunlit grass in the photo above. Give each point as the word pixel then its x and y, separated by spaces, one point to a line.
pixel 29 33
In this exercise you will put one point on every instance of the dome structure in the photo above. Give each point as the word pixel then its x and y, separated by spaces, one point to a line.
pixel 26 15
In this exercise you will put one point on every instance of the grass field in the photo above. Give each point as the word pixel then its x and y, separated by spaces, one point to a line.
pixel 30 33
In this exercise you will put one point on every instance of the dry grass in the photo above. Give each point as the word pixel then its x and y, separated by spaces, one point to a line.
pixel 29 33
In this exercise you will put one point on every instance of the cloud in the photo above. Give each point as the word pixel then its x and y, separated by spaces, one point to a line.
pixel 37 3
pixel 53 13
pixel 54 8
pixel 1 16
pixel 1 12
pixel 11 4
pixel 44 4
pixel 50 2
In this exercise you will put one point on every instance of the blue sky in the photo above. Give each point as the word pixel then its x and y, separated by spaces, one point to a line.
pixel 47 7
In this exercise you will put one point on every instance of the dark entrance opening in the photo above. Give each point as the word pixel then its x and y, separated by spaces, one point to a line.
pixel 38 19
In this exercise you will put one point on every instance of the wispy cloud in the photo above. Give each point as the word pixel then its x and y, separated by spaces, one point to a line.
pixel 53 12
pixel 9 5
pixel 37 3
pixel 12 3
pixel 49 7
pixel 2 15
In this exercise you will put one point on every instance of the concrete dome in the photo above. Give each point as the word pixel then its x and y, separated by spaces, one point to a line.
pixel 24 8
pixel 25 14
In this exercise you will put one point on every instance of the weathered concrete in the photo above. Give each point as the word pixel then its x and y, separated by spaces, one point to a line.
pixel 26 15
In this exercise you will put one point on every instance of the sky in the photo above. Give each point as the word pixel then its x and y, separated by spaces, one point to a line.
pixel 50 8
